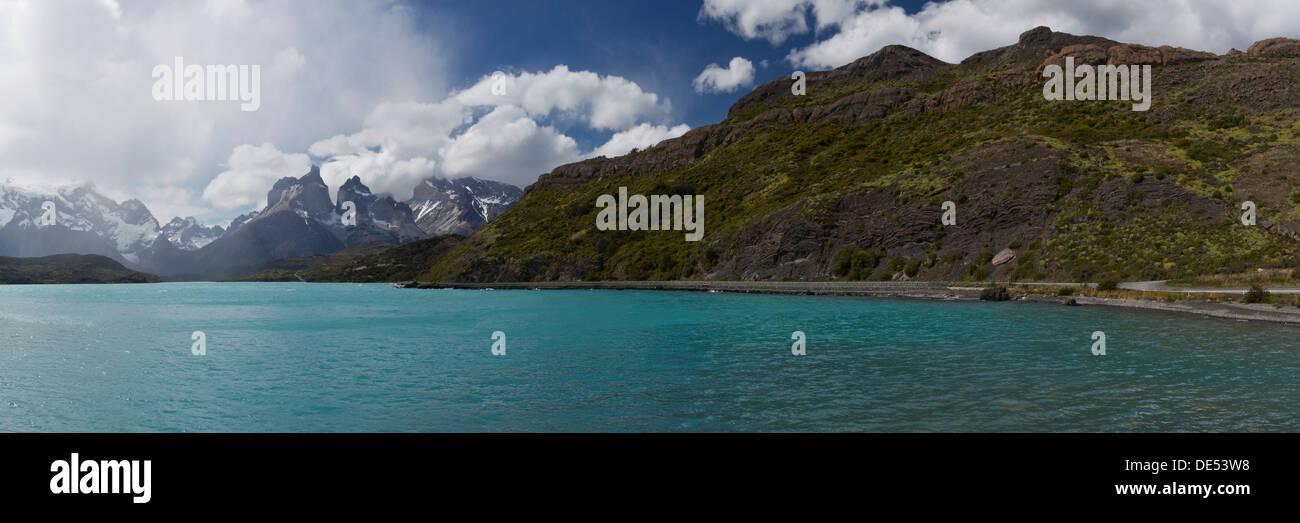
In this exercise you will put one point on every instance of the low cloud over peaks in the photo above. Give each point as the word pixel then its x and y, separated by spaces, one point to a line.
pixel 496 129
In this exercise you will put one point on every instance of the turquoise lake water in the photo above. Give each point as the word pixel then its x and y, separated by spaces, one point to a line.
pixel 292 357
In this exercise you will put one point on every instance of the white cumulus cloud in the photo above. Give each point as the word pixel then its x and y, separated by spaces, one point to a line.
pixel 603 102
pixel 506 145
pixel 777 20
pixel 715 79
pixel 639 137
pixel 495 129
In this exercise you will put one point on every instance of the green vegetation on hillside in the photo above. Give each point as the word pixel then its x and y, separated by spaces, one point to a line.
pixel 1075 190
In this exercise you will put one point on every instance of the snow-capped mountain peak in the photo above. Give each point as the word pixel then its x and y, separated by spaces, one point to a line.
pixel 72 219
pixel 189 235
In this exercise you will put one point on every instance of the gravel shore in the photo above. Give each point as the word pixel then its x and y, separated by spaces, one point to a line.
pixel 908 289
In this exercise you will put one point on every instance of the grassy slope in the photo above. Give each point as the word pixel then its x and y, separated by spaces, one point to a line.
pixel 1134 195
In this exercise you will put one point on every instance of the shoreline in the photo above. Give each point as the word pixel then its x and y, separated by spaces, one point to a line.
pixel 926 290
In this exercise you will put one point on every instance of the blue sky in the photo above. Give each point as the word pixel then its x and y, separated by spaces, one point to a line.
pixel 396 91
pixel 660 45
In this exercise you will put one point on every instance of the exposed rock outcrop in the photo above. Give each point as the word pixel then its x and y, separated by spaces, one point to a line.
pixel 1181 55
pixel 1126 54
pixel 1035 45
pixel 1275 47
pixel 1133 54
pixel 1088 54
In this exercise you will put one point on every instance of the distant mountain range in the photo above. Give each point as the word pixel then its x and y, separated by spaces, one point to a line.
pixel 299 219
pixel 85 223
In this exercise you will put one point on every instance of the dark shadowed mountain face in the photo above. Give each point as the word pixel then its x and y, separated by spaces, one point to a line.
pixel 849 180
pixel 271 236
pixel 377 218
pixel 307 197
pixel 459 206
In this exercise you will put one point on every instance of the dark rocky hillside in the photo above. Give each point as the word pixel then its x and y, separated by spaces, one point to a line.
pixel 374 262
pixel 68 268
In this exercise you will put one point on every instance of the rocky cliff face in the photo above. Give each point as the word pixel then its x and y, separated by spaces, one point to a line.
pixel 307 196
pixel 847 181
